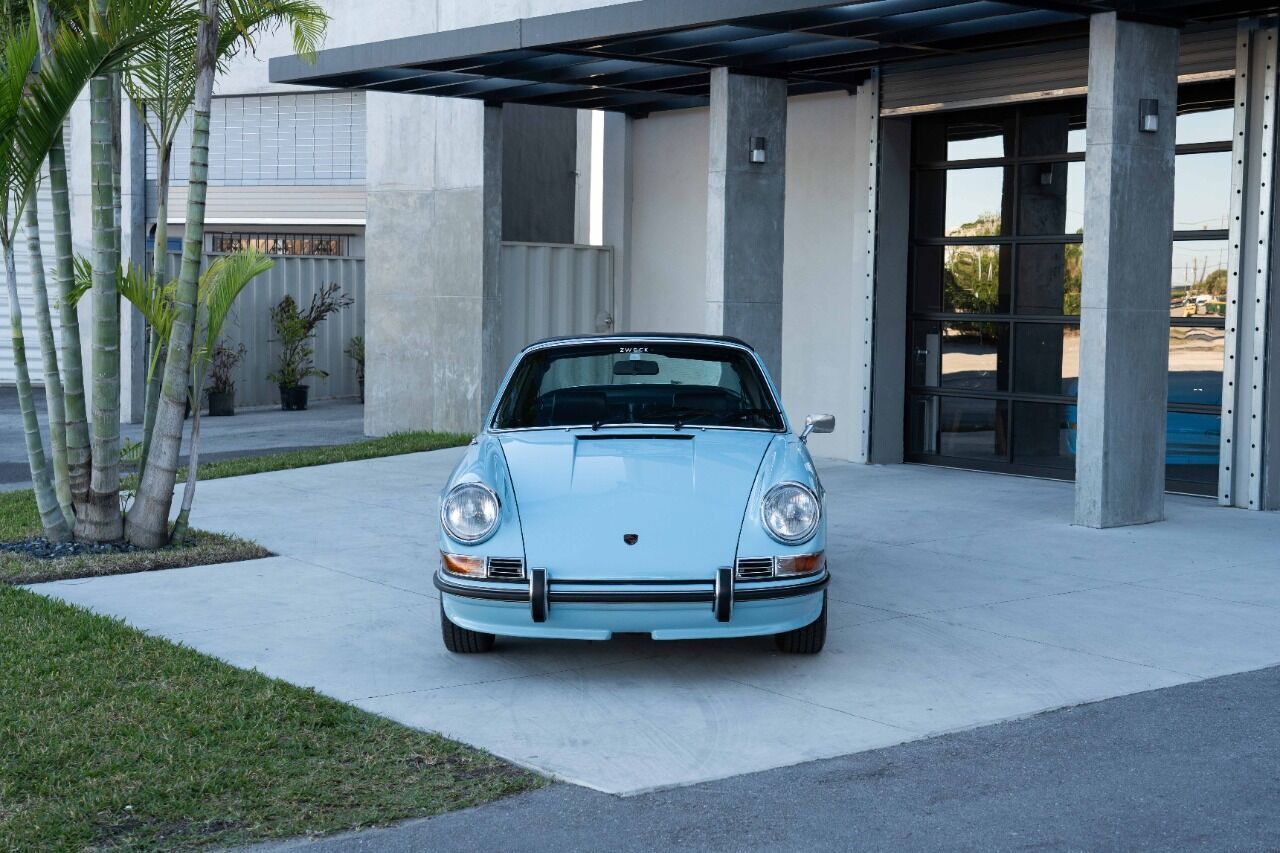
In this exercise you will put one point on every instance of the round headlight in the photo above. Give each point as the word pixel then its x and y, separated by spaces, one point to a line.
pixel 791 513
pixel 469 512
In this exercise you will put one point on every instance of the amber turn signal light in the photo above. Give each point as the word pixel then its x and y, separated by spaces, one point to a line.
pixel 465 566
pixel 800 564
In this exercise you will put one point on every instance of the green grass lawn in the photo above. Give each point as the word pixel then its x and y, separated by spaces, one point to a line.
pixel 391 445
pixel 110 738
pixel 20 520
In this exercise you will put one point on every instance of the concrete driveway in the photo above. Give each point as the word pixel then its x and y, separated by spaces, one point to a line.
pixel 959 599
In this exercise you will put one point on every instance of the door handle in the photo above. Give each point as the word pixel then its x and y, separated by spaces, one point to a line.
pixel 604 321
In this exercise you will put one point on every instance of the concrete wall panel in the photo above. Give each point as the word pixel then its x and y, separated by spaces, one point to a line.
pixel 823 274
pixel 669 222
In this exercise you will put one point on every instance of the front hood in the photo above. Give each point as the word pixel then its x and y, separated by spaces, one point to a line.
pixel 682 493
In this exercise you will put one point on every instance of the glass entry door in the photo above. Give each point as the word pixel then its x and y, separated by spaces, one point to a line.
pixel 996 265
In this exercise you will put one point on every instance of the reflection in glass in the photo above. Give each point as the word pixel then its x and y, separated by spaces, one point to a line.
pixel 974 202
pixel 974 356
pixel 972 280
pixel 1198 284
pixel 972 429
pixel 1044 435
pixel 926 354
pixel 1202 191
pixel 1075 141
pixel 1048 130
pixel 974 141
pixel 1051 200
pixel 959 427
pixel 1191 451
pixel 1048 278
pixel 1046 359
pixel 1214 125
pixel 1196 356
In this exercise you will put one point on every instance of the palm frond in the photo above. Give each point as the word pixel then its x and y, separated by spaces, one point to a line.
pixel 34 107
pixel 222 282
pixel 242 20
pixel 156 303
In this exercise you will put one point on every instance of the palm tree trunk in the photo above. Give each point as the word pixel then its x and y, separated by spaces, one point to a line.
pixel 117 206
pixel 78 449
pixel 49 354
pixel 102 521
pixel 51 517
pixel 148 522
pixel 180 525
pixel 159 275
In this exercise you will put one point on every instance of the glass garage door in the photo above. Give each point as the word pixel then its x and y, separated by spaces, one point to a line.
pixel 996 261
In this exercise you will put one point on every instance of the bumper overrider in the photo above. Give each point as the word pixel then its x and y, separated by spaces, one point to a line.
pixel 722 605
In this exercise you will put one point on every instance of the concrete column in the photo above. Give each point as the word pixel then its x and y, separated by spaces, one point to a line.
pixel 1124 317
pixel 433 312
pixel 745 203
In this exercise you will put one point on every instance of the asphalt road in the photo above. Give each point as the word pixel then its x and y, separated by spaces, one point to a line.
pixel 1195 767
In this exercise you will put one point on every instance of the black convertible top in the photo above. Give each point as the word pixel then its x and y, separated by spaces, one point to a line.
pixel 644 336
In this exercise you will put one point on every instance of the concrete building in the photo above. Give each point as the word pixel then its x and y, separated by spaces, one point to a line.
pixel 888 198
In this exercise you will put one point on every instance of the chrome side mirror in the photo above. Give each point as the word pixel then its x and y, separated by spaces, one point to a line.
pixel 818 423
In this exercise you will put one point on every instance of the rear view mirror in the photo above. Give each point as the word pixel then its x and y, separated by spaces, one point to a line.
pixel 638 367
pixel 818 423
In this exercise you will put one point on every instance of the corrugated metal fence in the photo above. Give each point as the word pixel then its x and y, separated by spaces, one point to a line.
pixel 554 289
pixel 250 324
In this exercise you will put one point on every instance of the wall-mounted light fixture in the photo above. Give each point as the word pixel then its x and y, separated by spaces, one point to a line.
pixel 1148 115
pixel 758 152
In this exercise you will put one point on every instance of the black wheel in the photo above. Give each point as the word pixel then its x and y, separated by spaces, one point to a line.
pixel 808 640
pixel 461 640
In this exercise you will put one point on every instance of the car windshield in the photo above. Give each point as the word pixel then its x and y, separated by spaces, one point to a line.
pixel 597 385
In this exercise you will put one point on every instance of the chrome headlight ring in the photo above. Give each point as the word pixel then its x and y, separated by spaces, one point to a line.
pixel 470 513
pixel 791 512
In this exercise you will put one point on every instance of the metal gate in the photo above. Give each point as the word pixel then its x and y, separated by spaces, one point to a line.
pixel 250 324
pixel 551 289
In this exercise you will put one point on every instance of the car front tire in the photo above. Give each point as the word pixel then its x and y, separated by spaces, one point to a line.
pixel 462 640
pixel 808 640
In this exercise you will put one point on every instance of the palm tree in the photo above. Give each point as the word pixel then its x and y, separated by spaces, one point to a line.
pixel 15 18
pixel 32 110
pixel 53 397
pixel 147 524
pixel 221 283
pixel 101 520
pixel 161 85
pixel 75 477
pixel 218 288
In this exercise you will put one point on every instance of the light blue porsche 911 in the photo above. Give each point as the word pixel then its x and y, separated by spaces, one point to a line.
pixel 640 484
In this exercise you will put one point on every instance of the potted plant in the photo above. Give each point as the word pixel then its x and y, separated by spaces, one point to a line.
pixel 222 381
pixel 355 350
pixel 294 330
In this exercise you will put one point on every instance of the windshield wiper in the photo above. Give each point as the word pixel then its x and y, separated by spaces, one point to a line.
pixel 617 419
pixel 684 414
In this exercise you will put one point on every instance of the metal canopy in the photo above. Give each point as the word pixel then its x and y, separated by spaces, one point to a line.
pixel 653 55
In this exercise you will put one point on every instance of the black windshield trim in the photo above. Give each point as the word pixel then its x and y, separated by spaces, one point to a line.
pixel 717 347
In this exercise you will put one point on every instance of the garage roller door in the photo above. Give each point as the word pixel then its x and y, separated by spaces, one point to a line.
pixel 1052 69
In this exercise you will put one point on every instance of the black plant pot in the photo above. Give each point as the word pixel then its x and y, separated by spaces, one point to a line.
pixel 362 392
pixel 222 404
pixel 293 399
